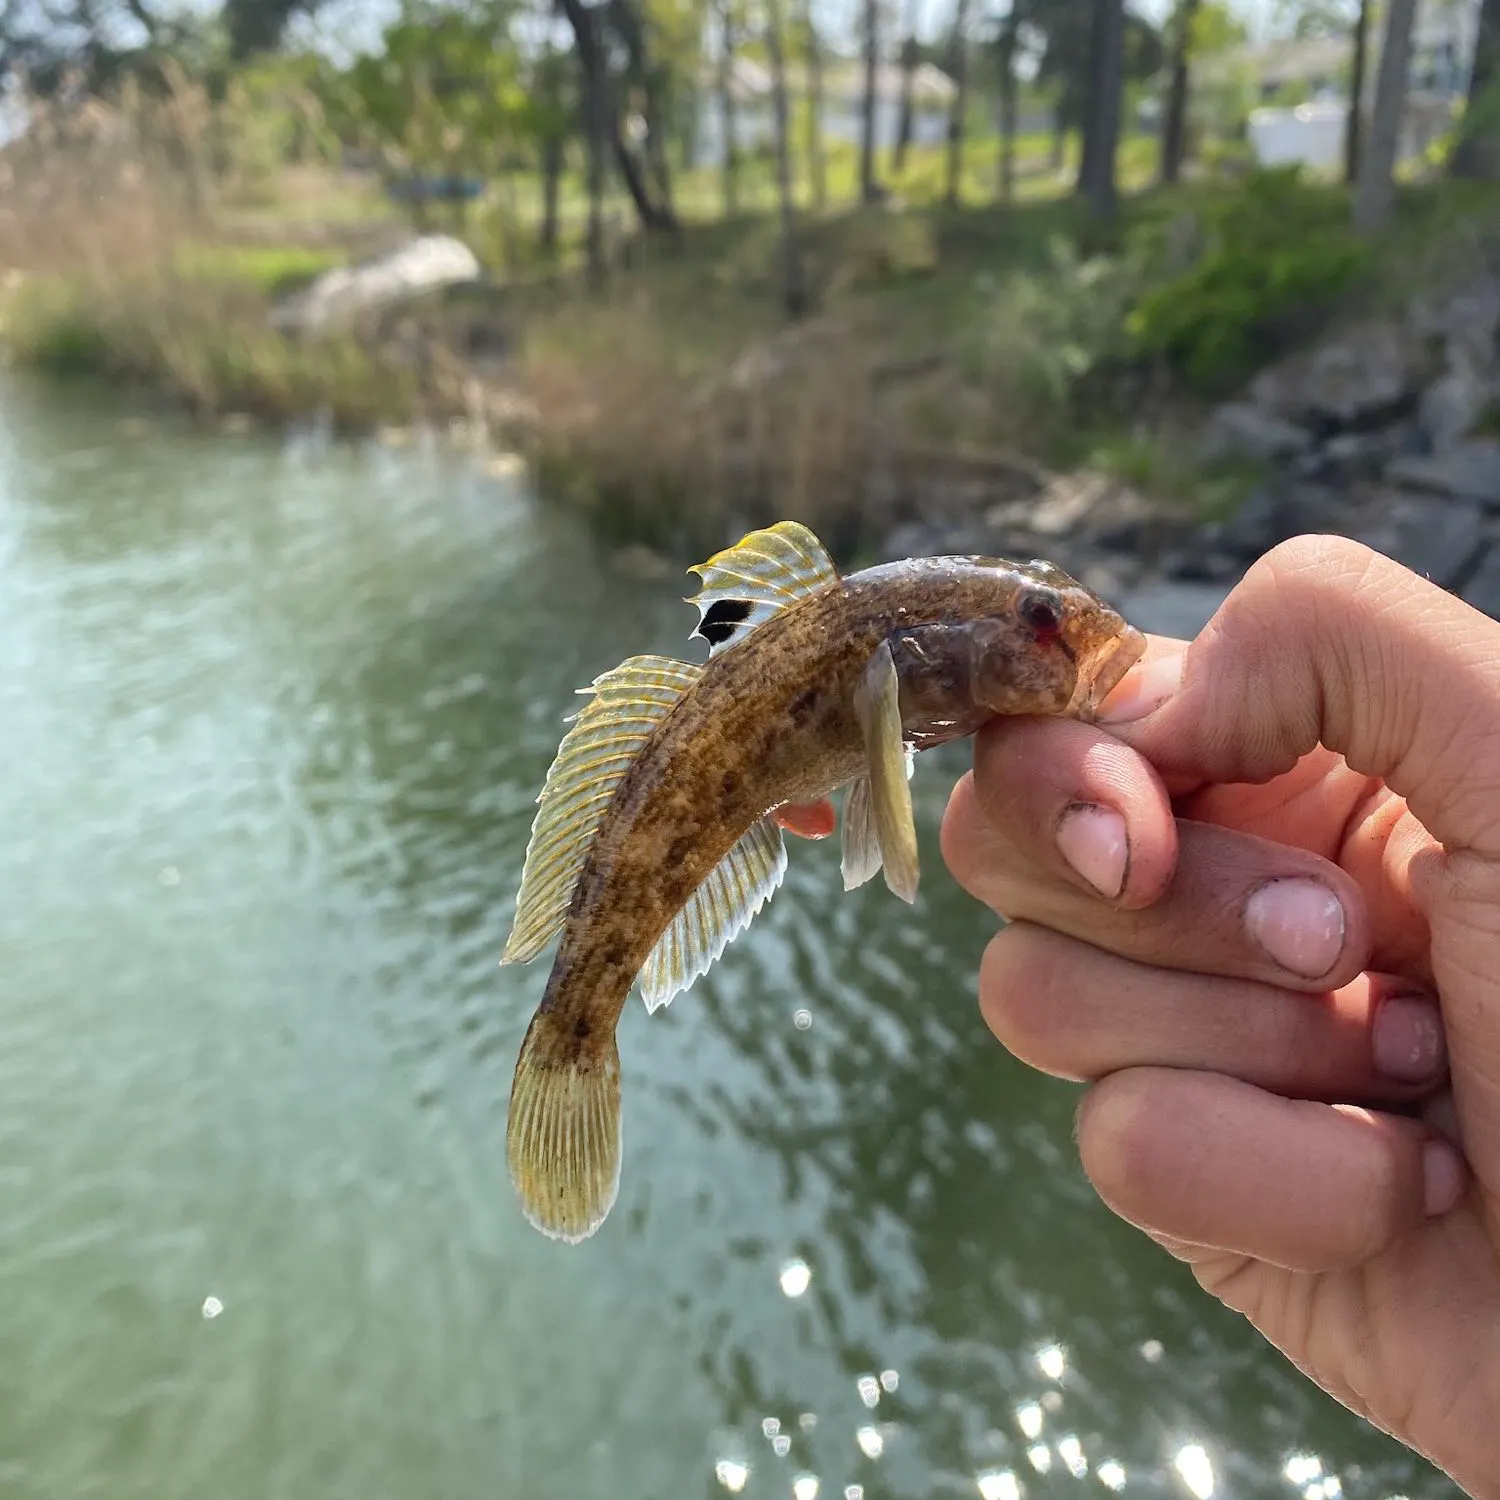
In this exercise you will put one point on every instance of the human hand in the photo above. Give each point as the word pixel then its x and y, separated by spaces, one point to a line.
pixel 1248 911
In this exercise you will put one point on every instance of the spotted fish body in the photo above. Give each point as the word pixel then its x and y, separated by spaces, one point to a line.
pixel 655 844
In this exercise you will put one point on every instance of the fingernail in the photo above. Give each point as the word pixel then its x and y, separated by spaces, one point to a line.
pixel 1092 840
pixel 1408 1039
pixel 1143 689
pixel 1299 923
pixel 1442 1178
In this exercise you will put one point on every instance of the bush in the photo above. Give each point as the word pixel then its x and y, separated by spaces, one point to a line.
pixel 1276 259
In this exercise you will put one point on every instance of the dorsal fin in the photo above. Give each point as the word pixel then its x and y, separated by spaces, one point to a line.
pixel 718 911
pixel 747 583
pixel 626 705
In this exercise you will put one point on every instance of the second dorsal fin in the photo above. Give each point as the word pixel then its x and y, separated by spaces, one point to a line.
pixel 625 706
pixel 747 583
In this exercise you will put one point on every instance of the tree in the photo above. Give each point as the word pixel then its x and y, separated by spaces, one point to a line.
pixel 1005 51
pixel 959 107
pixel 1174 123
pixel 1477 154
pixel 869 188
pixel 1375 190
pixel 910 53
pixel 793 284
pixel 728 123
pixel 1354 125
pixel 1101 133
pixel 817 165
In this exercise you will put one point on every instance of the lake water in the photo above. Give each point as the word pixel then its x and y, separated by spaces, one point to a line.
pixel 273 714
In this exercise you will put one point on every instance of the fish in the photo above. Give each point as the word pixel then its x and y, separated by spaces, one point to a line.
pixel 658 834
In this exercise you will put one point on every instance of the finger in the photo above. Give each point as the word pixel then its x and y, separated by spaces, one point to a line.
pixel 1236 906
pixel 1212 1161
pixel 1325 642
pixel 1077 1012
pixel 1039 780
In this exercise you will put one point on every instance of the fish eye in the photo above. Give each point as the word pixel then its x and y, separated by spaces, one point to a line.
pixel 1042 610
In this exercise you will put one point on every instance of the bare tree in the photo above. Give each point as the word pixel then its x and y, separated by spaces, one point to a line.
pixel 869 188
pixel 793 283
pixel 1101 132
pixel 1354 127
pixel 1174 124
pixel 1375 188
pixel 908 79
pixel 959 108
pixel 1477 154
pixel 728 122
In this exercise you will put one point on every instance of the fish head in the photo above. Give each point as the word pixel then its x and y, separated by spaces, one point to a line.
pixel 1013 638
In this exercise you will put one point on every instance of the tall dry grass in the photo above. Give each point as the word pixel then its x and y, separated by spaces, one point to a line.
pixel 116 258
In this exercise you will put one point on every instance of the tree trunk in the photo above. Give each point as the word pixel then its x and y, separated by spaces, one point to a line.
pixel 727 122
pixel 1101 130
pixel 817 162
pixel 955 167
pixel 908 76
pixel 654 214
pixel 793 284
pixel 552 166
pixel 1375 191
pixel 1477 154
pixel 1007 56
pixel 1354 127
pixel 604 126
pixel 1064 118
pixel 1174 125
pixel 869 188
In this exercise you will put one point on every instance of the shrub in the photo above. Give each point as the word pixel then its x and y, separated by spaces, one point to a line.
pixel 1276 259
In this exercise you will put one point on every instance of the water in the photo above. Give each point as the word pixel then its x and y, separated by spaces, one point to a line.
pixel 272 717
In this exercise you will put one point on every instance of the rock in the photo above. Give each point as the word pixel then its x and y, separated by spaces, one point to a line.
pixel 1453 403
pixel 1470 471
pixel 1351 381
pixel 1271 514
pixel 1174 609
pixel 1240 430
pixel 1482 589
pixel 1466 315
pixel 426 264
pixel 1440 539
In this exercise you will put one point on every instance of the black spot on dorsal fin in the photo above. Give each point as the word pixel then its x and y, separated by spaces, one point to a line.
pixel 721 619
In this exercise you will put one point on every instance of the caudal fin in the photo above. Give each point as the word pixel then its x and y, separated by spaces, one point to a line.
pixel 563 1135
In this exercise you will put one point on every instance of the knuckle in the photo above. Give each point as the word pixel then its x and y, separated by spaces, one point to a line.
pixel 1117 1138
pixel 1024 990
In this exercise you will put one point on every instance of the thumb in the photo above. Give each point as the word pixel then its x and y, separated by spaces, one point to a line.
pixel 1327 642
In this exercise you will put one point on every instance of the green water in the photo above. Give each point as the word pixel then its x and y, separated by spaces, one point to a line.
pixel 272 717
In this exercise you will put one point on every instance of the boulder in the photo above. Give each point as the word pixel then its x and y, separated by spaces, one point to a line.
pixel 1440 539
pixel 1453 403
pixel 1240 429
pixel 1469 471
pixel 347 293
pixel 1368 373
pixel 1482 588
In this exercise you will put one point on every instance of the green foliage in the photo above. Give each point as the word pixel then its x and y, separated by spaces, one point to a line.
pixel 445 92
pixel 1276 256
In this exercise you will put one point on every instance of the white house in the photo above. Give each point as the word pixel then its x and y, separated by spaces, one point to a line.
pixel 1443 40
pixel 843 104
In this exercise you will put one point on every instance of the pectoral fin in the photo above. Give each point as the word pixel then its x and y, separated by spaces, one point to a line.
pixel 878 708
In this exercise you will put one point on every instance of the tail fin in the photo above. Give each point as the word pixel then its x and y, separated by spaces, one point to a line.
pixel 563 1136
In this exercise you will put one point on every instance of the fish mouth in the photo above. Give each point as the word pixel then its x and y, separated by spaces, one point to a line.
pixel 1128 650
